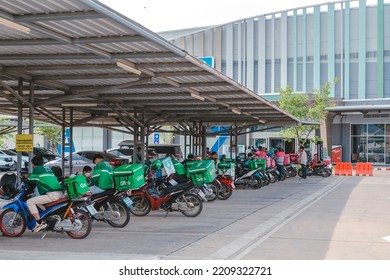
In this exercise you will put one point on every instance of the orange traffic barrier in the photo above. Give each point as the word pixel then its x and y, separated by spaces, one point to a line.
pixel 364 169
pixel 343 168
pixel 359 168
pixel 337 168
pixel 369 169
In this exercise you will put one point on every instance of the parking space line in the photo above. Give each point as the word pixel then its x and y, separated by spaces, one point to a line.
pixel 244 244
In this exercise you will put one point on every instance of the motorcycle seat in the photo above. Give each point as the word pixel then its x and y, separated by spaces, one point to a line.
pixel 105 193
pixel 170 189
pixel 50 204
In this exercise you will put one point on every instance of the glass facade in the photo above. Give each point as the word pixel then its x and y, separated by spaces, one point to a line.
pixel 370 143
pixel 306 47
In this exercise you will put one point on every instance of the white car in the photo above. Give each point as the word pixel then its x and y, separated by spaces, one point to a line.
pixel 7 163
pixel 14 156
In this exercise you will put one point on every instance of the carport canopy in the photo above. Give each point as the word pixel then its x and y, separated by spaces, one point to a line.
pixel 112 72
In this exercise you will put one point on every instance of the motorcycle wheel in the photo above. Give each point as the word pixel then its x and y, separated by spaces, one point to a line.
pixel 196 207
pixel 273 177
pixel 284 175
pixel 141 206
pixel 292 171
pixel 326 172
pixel 12 224
pixel 300 173
pixel 214 195
pixel 224 192
pixel 258 184
pixel 86 222
pixel 124 212
pixel 266 179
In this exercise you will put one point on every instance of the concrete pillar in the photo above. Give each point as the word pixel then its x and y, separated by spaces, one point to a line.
pixel 326 133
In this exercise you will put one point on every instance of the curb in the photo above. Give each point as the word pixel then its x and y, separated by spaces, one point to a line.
pixel 382 168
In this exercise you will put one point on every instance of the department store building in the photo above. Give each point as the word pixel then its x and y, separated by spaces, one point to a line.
pixel 306 47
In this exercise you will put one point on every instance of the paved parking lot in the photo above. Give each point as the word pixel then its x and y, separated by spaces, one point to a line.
pixel 314 219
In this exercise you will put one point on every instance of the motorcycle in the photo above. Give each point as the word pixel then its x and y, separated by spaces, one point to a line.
pixel 316 168
pixel 208 192
pixel 225 185
pixel 272 174
pixel 155 196
pixel 254 178
pixel 62 216
pixel 111 206
pixel 251 179
pixel 291 169
pixel 8 188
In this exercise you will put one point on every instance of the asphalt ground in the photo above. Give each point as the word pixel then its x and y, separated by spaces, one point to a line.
pixel 335 218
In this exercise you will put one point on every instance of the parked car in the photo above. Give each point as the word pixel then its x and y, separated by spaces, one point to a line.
pixel 14 156
pixel 161 149
pixel 7 163
pixel 128 153
pixel 168 149
pixel 47 155
pixel 81 159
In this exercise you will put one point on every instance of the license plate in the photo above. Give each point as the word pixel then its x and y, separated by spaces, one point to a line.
pixel 127 200
pixel 202 195
pixel 91 210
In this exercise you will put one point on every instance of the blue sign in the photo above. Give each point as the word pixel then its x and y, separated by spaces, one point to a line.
pixel 156 138
pixel 209 60
pixel 67 141
pixel 221 139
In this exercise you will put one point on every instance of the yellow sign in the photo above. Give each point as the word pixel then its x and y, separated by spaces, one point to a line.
pixel 24 143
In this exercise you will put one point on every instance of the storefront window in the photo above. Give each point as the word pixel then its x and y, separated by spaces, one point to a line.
pixel 370 143
pixel 376 129
pixel 359 149
pixel 375 149
pixel 359 129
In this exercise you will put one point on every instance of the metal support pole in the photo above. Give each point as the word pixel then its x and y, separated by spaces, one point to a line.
pixel 231 142
pixel 135 140
pixel 63 142
pixel 31 124
pixel 142 138
pixel 20 128
pixel 70 140
pixel 203 140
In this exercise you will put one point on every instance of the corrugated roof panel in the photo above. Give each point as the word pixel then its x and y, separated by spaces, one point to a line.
pixel 91 71
pixel 86 52
pixel 124 47
pixel 87 28
pixel 22 7
pixel 45 49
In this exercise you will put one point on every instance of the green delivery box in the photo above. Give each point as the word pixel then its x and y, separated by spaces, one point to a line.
pixel 256 163
pixel 76 186
pixel 226 168
pixel 129 176
pixel 188 166
pixel 202 172
pixel 168 166
pixel 179 167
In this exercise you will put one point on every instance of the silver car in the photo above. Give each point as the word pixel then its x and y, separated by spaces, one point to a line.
pixel 81 159
pixel 14 156
pixel 7 163
pixel 128 153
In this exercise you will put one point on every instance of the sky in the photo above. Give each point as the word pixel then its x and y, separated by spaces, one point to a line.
pixel 164 15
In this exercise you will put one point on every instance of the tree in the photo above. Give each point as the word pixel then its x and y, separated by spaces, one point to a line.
pixel 305 107
pixel 52 134
pixel 6 132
